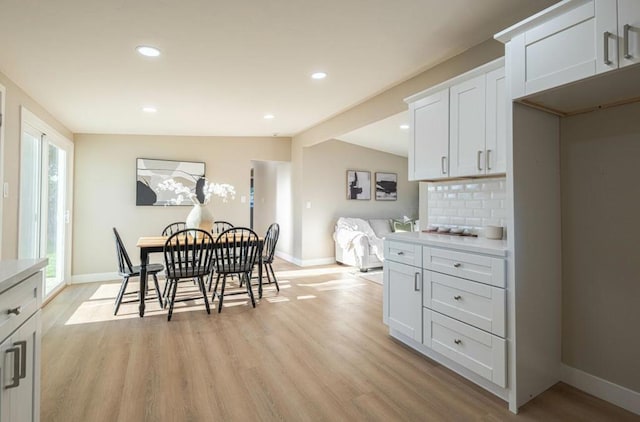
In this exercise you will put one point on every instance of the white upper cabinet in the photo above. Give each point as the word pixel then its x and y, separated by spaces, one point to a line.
pixel 429 146
pixel 467 127
pixel 496 123
pixel 571 41
pixel 459 127
pixel 629 31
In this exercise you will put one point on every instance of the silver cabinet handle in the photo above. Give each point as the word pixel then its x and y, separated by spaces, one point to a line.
pixel 457 341
pixel 625 45
pixel 23 358
pixel 15 378
pixel 457 297
pixel 416 285
pixel 442 164
pixel 606 34
pixel 400 253
pixel 457 265
pixel 488 157
pixel 15 311
pixel 479 160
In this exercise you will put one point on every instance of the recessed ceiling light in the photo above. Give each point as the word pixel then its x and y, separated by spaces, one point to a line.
pixel 148 51
pixel 319 75
pixel 149 109
pixel 269 116
pixel 404 127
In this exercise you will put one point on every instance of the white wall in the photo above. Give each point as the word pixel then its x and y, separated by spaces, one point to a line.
pixel 15 98
pixel 105 188
pixel 325 167
pixel 272 195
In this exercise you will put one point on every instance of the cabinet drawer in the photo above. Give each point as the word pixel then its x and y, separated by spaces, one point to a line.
pixel 18 303
pixel 404 253
pixel 476 350
pixel 480 268
pixel 476 304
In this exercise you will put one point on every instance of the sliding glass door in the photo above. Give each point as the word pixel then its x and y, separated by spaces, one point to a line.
pixel 45 184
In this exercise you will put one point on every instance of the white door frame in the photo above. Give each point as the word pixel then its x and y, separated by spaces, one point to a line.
pixel 53 136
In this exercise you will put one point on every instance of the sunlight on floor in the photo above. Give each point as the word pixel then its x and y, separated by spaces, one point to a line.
pixel 99 306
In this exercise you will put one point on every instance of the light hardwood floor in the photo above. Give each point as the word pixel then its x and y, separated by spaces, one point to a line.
pixel 317 351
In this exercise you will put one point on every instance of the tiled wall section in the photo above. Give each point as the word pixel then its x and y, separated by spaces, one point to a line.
pixel 471 203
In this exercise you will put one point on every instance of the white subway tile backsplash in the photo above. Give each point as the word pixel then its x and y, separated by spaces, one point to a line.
pixel 467 204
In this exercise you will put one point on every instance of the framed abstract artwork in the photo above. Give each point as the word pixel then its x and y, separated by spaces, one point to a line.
pixel 386 186
pixel 151 172
pixel 358 184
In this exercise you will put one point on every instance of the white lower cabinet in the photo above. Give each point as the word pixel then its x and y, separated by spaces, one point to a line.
pixel 453 302
pixel 20 372
pixel 403 299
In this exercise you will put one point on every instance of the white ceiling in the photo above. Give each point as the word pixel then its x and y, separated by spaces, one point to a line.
pixel 227 63
pixel 384 135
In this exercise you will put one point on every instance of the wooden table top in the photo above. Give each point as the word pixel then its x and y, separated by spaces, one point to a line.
pixel 159 241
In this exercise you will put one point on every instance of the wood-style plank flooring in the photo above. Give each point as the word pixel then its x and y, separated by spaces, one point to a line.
pixel 317 351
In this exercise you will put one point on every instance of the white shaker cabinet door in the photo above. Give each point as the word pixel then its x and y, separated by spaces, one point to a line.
pixel 496 140
pixel 403 299
pixel 629 32
pixel 467 128
pixel 429 143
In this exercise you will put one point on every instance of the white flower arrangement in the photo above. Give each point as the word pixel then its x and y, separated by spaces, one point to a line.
pixel 200 194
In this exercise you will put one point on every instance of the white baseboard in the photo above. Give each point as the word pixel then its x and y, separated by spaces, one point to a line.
pixel 306 262
pixel 93 278
pixel 603 389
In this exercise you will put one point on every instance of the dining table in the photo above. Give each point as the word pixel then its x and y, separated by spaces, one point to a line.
pixel 155 244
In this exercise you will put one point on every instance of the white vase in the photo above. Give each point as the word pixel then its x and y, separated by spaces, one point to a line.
pixel 200 218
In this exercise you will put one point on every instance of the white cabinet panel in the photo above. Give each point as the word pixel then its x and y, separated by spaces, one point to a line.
pixel 476 350
pixel 402 305
pixel 404 253
pixel 20 373
pixel 467 127
pixel 496 126
pixel 629 32
pixel 429 148
pixel 477 304
pixel 483 269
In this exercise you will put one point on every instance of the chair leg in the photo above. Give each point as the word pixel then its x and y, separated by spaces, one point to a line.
pixel 204 294
pixel 123 288
pixel 215 289
pixel 249 289
pixel 155 281
pixel 210 280
pixel 172 292
pixel 269 267
pixel 221 296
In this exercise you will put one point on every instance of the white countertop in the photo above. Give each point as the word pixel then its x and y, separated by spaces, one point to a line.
pixel 462 243
pixel 13 271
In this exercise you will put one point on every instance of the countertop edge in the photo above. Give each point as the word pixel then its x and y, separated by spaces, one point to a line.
pixel 468 244
pixel 15 270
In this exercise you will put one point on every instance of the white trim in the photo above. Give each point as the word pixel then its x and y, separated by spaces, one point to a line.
pixel 306 262
pixel 94 278
pixel 601 388
pixel 3 112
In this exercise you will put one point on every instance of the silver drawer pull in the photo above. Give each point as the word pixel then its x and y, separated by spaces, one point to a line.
pixel 457 341
pixel 606 35
pixel 15 378
pixel 457 297
pixel 625 44
pixel 15 311
pixel 23 357
pixel 400 253
pixel 457 265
